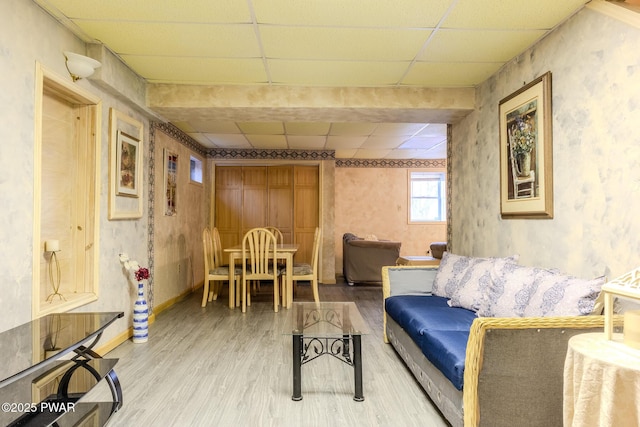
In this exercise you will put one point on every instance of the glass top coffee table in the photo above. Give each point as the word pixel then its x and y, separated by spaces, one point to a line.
pixel 326 328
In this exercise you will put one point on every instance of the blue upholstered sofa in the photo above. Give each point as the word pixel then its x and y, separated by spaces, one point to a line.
pixel 486 370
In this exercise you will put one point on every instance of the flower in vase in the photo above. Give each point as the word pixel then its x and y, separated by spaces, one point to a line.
pixel 522 135
pixel 141 273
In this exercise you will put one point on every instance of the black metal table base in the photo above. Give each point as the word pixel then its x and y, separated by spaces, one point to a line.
pixel 347 348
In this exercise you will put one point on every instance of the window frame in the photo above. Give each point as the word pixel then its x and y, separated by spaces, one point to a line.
pixel 194 157
pixel 442 172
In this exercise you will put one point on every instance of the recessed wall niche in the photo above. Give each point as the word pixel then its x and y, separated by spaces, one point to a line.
pixel 66 196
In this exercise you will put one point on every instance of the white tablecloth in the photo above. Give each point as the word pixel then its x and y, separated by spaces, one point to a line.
pixel 601 382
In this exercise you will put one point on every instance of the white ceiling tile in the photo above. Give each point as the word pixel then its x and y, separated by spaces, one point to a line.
pixel 229 141
pixel 336 73
pixel 221 11
pixel 262 128
pixel 371 154
pixel 423 142
pixel 352 129
pixel 511 14
pixel 202 139
pixel 402 154
pixel 386 142
pixel 343 142
pixel 352 13
pixel 433 129
pixel 306 142
pixel 478 46
pixel 268 141
pixel 172 39
pixel 307 128
pixel 348 44
pixel 398 129
pixel 159 69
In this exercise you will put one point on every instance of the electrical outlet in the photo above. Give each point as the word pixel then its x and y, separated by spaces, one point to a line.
pixel 178 268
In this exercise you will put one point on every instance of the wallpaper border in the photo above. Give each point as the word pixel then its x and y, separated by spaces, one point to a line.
pixel 391 163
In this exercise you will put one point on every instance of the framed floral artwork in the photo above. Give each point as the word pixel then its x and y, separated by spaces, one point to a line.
pixel 125 166
pixel 526 163
pixel 128 161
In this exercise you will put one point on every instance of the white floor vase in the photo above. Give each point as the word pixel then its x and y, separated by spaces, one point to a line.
pixel 140 317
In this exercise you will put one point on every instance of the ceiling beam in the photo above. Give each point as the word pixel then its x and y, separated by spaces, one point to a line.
pixel 314 104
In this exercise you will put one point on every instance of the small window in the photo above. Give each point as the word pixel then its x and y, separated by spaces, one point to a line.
pixel 195 169
pixel 427 197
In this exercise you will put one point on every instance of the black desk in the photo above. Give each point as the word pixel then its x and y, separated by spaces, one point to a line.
pixel 48 365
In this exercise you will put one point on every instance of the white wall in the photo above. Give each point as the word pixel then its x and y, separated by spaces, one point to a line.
pixel 595 62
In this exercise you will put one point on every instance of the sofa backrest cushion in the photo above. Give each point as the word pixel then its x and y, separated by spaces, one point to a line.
pixel 466 279
pixel 520 291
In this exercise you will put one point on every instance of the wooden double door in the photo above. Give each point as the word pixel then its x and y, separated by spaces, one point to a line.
pixel 286 197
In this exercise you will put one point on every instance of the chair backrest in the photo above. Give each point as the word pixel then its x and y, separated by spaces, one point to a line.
pixel 512 158
pixel 217 248
pixel 315 253
pixel 258 248
pixel 276 233
pixel 207 245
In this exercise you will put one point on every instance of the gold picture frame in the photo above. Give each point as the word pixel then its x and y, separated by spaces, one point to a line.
pixel 526 151
pixel 126 157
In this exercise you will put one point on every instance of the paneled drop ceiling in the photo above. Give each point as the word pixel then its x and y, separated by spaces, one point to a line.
pixel 398 44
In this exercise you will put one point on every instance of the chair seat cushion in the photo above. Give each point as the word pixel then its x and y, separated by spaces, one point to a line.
pixel 301 269
pixel 223 270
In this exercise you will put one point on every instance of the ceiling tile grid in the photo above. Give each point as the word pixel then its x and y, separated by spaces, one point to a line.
pixel 315 43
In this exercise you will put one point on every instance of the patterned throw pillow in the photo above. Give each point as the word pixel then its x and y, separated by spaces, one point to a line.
pixel 520 291
pixel 510 291
pixel 476 281
pixel 562 295
pixel 464 278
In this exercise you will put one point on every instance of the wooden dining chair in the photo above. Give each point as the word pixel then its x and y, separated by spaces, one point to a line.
pixel 215 271
pixel 259 248
pixel 276 233
pixel 305 271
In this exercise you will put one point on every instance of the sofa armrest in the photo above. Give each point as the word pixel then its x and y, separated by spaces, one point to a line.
pixel 403 280
pixel 515 366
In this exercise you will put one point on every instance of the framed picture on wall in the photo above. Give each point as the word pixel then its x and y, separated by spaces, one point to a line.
pixel 170 182
pixel 526 164
pixel 126 156
pixel 128 160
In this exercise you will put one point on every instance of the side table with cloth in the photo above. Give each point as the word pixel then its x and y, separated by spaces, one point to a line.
pixel 601 382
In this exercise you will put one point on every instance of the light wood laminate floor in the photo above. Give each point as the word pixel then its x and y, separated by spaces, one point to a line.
pixel 214 366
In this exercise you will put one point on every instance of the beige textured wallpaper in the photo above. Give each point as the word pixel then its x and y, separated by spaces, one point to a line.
pixel 374 201
pixel 178 258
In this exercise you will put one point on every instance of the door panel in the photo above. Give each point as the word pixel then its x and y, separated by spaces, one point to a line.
pixel 286 197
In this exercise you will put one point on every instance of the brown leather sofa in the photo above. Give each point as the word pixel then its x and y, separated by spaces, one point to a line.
pixel 362 260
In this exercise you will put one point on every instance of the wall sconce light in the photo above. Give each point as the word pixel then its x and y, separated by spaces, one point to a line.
pixel 53 246
pixel 80 66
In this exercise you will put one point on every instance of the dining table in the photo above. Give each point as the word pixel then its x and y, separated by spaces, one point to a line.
pixel 284 251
